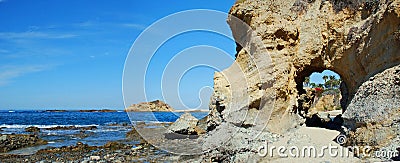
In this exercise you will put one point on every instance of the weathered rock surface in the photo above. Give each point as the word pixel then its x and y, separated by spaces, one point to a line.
pixel 374 113
pixel 356 39
pixel 32 129
pixel 154 106
pixel 110 152
pixel 12 142
pixel 377 99
pixel 133 135
pixel 329 100
pixel 72 128
pixel 186 125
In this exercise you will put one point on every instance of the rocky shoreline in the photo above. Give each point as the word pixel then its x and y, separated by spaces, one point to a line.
pixel 113 151
pixel 16 141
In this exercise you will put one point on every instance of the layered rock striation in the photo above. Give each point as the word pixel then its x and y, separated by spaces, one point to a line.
pixel 356 39
pixel 259 96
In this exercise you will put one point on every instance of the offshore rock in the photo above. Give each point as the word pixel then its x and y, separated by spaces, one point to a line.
pixel 153 106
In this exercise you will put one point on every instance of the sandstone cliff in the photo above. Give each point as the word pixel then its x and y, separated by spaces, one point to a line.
pixel 356 39
pixel 153 106
pixel 291 39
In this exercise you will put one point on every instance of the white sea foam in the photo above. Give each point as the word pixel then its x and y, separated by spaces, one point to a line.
pixel 43 126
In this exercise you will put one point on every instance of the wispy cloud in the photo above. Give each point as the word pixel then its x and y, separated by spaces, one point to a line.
pixel 34 35
pixel 94 24
pixel 134 25
pixel 85 24
pixel 8 73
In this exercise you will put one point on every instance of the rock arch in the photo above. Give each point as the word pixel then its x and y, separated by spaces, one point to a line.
pixel 307 72
pixel 345 40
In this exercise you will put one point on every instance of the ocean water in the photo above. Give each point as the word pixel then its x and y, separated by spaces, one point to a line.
pixel 17 121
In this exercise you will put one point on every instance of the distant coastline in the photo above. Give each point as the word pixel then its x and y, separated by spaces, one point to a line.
pixel 91 110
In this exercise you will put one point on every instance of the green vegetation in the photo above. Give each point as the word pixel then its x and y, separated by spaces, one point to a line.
pixel 330 83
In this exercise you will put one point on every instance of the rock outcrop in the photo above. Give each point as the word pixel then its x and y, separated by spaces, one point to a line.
pixel 32 129
pixel 12 142
pixel 153 106
pixel 329 100
pixel 186 125
pixel 374 113
pixel 82 128
pixel 356 39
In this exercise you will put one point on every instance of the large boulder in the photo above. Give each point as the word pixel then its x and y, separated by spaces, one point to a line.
pixel 186 125
pixel 377 99
pixel 374 113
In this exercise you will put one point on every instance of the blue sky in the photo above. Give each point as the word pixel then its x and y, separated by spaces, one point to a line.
pixel 71 54
pixel 317 77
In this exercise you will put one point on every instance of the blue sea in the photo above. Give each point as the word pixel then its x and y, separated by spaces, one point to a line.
pixel 111 126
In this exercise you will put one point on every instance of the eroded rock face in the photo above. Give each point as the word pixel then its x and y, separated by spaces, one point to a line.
pixel 153 106
pixel 374 112
pixel 377 99
pixel 355 39
pixel 329 100
pixel 186 125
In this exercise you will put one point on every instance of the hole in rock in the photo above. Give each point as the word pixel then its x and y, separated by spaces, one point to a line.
pixel 320 99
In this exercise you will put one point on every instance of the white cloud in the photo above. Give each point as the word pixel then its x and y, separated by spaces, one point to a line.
pixel 92 24
pixel 134 25
pixel 33 35
pixel 85 24
pixel 8 73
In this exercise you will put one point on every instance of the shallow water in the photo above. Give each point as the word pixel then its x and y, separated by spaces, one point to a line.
pixel 111 126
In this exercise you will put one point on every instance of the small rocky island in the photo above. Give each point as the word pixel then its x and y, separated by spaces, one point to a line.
pixel 153 106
